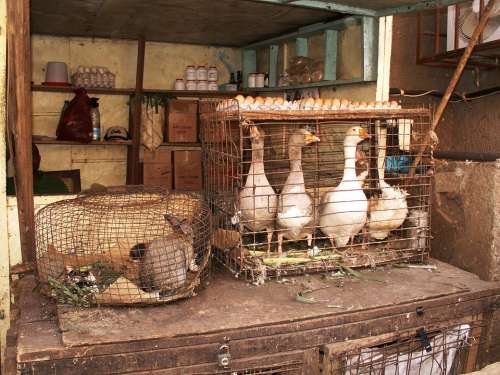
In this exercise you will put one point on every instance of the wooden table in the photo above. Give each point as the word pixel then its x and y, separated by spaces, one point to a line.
pixel 263 325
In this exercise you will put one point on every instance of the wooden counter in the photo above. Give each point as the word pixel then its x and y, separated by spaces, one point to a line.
pixel 264 325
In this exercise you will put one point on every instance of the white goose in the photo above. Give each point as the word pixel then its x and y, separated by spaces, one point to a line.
pixel 343 210
pixel 258 201
pixel 295 206
pixel 389 210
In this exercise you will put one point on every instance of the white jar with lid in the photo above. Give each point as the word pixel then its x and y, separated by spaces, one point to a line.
pixel 191 85
pixel 190 73
pixel 213 86
pixel 259 80
pixel 213 75
pixel 251 80
pixel 179 84
pixel 201 73
pixel 202 86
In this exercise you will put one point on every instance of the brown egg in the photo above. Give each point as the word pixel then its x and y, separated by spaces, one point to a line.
pixel 249 100
pixel 354 105
pixel 318 102
pixel 309 102
pixel 344 103
pixel 259 100
pixel 335 103
pixel 371 105
pixel 386 104
pixel 269 101
pixel 395 104
pixel 279 101
pixel 240 99
pixel 327 103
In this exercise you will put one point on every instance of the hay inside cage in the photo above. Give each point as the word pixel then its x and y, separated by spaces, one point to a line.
pixel 128 245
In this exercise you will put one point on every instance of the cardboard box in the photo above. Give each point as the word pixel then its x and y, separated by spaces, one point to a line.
pixel 157 168
pixel 182 121
pixel 187 170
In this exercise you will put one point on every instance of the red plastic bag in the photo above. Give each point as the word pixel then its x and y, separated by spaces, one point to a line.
pixel 75 123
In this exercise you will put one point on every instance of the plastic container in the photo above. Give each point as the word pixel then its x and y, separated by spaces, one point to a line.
pixel 213 86
pixel 95 117
pixel 202 86
pixel 179 84
pixel 251 80
pixel 201 73
pixel 56 73
pixel 213 75
pixel 259 79
pixel 190 73
pixel 191 85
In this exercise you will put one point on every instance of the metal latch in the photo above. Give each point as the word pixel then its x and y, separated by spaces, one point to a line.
pixel 424 339
pixel 224 356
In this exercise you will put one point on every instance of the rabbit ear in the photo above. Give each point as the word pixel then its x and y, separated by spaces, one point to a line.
pixel 179 226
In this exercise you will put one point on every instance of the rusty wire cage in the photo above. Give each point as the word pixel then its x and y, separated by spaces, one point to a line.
pixel 448 350
pixel 286 201
pixel 127 245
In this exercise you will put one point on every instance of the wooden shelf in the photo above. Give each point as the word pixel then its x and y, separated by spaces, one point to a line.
pixel 70 89
pixel 47 141
pixel 311 85
pixel 193 93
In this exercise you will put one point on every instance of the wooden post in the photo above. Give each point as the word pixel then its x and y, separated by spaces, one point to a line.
pixel 273 65
pixel 453 82
pixel 330 68
pixel 133 151
pixel 249 64
pixel 301 47
pixel 19 118
pixel 370 48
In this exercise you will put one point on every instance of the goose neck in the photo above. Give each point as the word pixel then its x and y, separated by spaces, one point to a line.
pixel 350 161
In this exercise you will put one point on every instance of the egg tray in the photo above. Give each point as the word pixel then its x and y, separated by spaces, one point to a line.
pixel 254 265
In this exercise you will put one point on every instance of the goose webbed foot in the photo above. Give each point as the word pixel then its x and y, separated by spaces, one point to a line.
pixel 269 240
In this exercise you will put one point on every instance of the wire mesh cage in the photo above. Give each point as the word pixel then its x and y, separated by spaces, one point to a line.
pixel 127 245
pixel 295 192
pixel 450 350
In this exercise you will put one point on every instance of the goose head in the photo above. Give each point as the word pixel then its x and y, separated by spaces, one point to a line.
pixel 303 137
pixel 355 134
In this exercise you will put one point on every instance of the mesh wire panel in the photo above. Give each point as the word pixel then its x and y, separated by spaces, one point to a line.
pixel 127 245
pixel 448 351
pixel 309 191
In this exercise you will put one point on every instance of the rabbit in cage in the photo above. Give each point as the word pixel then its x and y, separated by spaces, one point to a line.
pixel 167 260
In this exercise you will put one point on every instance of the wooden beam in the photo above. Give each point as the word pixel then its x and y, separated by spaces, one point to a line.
pixel 19 118
pixel 133 172
pixel 454 81
pixel 418 7
pixel 323 5
pixel 370 48
pixel 273 65
pixel 306 31
pixel 330 68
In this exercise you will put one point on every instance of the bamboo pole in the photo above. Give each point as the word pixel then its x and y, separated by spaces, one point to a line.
pixel 454 81
pixel 20 118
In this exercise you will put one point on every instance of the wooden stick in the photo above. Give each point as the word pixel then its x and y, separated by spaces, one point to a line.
pixel 135 105
pixel 453 82
pixel 20 119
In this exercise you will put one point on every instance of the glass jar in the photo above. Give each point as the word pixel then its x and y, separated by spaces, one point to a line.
pixel 190 73
pixel 179 84
pixel 201 73
pixel 212 86
pixel 251 80
pixel 202 86
pixel 213 75
pixel 259 79
pixel 190 85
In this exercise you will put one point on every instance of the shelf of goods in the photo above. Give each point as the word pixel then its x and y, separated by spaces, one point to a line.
pixel 330 32
pixel 288 201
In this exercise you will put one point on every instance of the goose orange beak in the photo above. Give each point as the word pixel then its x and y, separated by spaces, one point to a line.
pixel 311 138
pixel 364 134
